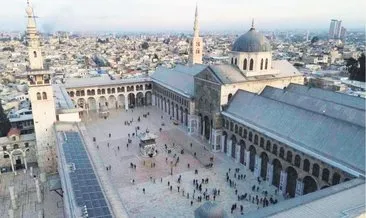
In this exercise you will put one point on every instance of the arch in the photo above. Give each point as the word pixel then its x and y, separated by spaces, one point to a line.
pixel 99 91
pixel 277 167
pixel 266 65
pixel 112 101
pixel 242 149
pixel 233 146
pixel 44 95
pixel 224 134
pixel 131 100
pixel 245 64
pixel 256 139
pixel 282 153
pixel 102 101
pixel 92 103
pixel 148 98
pixel 72 94
pixel 250 136
pixel 240 131
pixel 315 170
pixel 289 157
pixel 103 91
pixel 264 163
pixel 274 149
pixel 336 178
pixel 207 127
pixel 306 165
pixel 297 161
pixel 121 100
pixel 262 64
pixel 261 142
pixel 39 96
pixel 140 99
pixel 310 185
pixel 81 102
pixel 245 133
pixel 252 153
pixel 88 92
pixel 92 92
pixel 236 129
pixel 291 181
pixel 251 64
pixel 325 175
pixel 82 92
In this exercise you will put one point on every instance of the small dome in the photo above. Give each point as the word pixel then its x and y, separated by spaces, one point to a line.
pixel 252 41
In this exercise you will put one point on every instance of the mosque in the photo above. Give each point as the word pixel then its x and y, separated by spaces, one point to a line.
pixel 253 108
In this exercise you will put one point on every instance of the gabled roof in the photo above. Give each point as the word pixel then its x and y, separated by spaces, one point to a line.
pixel 339 98
pixel 179 79
pixel 332 140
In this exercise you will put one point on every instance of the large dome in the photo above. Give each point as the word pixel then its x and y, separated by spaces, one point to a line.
pixel 252 41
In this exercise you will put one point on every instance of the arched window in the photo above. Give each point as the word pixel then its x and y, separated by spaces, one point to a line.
pixel 197 51
pixel 315 170
pixel 39 96
pixel 251 64
pixel 261 142
pixel 306 166
pixel 266 66
pixel 99 92
pixel 256 139
pixel 245 64
pixel 289 156
pixel 274 150
pixel 268 146
pixel 325 175
pixel 240 131
pixel 44 96
pixel 250 136
pixel 236 128
pixel 236 61
pixel 245 133
pixel 262 64
pixel 297 161
pixel 282 152
pixel 229 97
pixel 232 60
pixel 35 54
pixel 336 179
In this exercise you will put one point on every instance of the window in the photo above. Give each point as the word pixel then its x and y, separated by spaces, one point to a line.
pixel 250 136
pixel 198 43
pixel 232 60
pixel 4 148
pixel 297 161
pixel 282 152
pixel 256 139
pixel 229 97
pixel 261 143
pixel 266 66
pixel 268 146
pixel 262 64
pixel 245 64
pixel 245 133
pixel 316 170
pixel 231 126
pixel 39 96
pixel 44 95
pixel 16 146
pixel 289 156
pixel 26 144
pixel 197 51
pixel 325 175
pixel 306 166
pixel 236 128
pixel 236 61
pixel 251 64
pixel 35 54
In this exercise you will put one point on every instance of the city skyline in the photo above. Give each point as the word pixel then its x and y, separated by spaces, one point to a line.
pixel 142 15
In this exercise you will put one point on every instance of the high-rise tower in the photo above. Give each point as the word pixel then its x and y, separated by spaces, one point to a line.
pixel 41 96
pixel 197 43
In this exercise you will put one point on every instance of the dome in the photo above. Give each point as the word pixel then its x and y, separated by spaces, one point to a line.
pixel 252 41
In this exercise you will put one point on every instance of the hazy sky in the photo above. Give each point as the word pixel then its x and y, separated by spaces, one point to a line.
pixel 178 15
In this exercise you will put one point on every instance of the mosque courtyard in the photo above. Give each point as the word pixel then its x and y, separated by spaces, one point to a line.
pixel 111 138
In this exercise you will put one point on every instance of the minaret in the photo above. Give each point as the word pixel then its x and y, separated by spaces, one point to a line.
pixel 41 96
pixel 197 43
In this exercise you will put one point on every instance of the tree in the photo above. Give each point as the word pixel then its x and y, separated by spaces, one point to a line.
pixel 356 68
pixel 314 39
pixel 4 122
pixel 145 45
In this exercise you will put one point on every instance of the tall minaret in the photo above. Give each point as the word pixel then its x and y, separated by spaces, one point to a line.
pixel 41 96
pixel 197 43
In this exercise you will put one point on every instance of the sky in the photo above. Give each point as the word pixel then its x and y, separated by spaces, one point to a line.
pixel 178 15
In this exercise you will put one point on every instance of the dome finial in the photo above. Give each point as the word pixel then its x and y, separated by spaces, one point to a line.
pixel 252 28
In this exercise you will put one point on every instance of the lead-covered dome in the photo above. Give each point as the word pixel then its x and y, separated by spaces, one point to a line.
pixel 252 41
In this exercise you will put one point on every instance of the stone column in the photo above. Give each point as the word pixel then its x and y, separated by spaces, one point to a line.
pixel 222 143
pixel 283 182
pixel 38 190
pixel 237 155
pixel 247 159
pixel 12 164
pixel 31 171
pixel 25 162
pixel 210 138
pixel 126 102
pixel 203 129
pixel 269 173
pixel 229 148
pixel 299 188
pixel 13 198
pixel 257 166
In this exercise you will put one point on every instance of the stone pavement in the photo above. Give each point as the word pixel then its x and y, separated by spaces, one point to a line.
pixel 158 200
pixel 28 207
